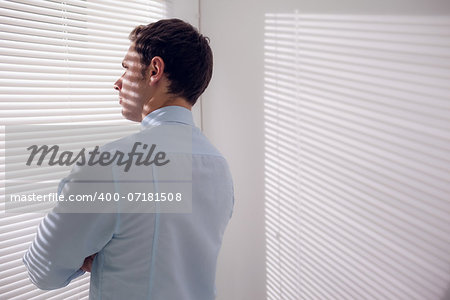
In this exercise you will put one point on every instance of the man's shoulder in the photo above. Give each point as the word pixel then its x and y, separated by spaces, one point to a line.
pixel 179 144
pixel 173 138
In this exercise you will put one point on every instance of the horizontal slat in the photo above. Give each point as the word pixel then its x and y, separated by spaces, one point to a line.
pixel 438 29
pixel 357 19
pixel 36 106
pixel 59 63
pixel 58 98
pixel 56 38
pixel 60 112
pixel 26 231
pixel 8 77
pixel 11 225
pixel 40 68
pixel 32 48
pixel 14 241
pixel 158 6
pixel 9 83
pixel 26 134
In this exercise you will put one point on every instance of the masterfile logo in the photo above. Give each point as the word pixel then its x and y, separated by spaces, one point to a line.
pixel 75 169
pixel 68 158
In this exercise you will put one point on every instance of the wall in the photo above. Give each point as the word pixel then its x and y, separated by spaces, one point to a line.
pixel 232 119
pixel 232 116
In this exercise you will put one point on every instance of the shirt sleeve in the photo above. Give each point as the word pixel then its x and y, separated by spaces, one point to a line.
pixel 64 239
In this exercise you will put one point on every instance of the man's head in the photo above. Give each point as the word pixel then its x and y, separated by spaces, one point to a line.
pixel 169 63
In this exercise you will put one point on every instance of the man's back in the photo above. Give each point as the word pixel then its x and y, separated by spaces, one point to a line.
pixel 161 253
pixel 170 255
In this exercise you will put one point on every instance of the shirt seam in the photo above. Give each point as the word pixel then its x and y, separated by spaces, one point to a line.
pixel 155 239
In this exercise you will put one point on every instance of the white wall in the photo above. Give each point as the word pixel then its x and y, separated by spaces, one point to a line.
pixel 232 119
pixel 232 116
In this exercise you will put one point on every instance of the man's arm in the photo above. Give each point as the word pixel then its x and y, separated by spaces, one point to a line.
pixel 61 245
pixel 65 239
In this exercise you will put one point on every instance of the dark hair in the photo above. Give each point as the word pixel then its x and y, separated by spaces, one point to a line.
pixel 186 54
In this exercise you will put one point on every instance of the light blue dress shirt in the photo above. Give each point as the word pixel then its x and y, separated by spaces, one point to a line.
pixel 158 256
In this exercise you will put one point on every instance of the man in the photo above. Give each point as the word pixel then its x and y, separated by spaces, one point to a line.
pixel 156 254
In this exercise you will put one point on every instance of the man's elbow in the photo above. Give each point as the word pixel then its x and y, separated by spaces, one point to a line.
pixel 43 285
pixel 40 276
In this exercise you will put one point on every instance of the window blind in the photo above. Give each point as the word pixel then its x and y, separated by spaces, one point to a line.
pixel 357 156
pixel 58 63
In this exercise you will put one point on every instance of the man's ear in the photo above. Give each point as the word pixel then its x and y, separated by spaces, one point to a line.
pixel 155 70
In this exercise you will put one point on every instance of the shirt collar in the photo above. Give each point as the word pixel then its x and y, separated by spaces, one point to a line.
pixel 177 114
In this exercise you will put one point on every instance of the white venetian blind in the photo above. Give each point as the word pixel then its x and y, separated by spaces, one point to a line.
pixel 357 156
pixel 58 63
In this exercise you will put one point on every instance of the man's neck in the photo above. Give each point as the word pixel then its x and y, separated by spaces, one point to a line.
pixel 176 101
